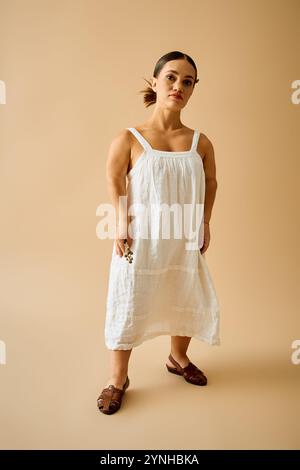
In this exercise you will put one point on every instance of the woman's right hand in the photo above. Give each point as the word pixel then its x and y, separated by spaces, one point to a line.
pixel 119 242
pixel 120 245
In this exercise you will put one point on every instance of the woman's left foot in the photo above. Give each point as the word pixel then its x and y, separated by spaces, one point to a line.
pixel 190 372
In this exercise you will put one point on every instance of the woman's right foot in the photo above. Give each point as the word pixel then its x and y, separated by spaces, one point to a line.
pixel 110 399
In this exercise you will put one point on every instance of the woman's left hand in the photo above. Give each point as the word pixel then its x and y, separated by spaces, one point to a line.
pixel 206 239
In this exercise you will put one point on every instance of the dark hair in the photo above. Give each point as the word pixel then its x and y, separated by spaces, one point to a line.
pixel 149 93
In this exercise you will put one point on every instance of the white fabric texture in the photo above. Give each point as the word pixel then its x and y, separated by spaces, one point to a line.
pixel 167 289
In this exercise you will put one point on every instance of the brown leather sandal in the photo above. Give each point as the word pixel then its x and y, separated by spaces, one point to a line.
pixel 110 399
pixel 191 373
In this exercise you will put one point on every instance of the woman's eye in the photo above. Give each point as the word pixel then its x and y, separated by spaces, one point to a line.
pixel 186 81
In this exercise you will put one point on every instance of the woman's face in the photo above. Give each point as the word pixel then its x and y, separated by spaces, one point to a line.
pixel 176 76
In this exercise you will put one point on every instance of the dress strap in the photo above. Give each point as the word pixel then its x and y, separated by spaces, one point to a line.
pixel 195 140
pixel 140 138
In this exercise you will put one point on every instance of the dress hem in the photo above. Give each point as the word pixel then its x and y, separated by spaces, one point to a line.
pixel 213 341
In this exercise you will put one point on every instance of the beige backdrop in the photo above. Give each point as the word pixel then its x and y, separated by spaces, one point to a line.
pixel 72 71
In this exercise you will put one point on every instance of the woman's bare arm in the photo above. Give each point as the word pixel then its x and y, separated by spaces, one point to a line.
pixel 211 183
pixel 116 170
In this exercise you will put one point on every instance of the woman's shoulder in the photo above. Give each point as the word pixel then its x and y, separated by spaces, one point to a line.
pixel 204 144
pixel 122 137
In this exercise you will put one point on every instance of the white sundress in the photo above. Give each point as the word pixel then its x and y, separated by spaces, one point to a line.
pixel 167 289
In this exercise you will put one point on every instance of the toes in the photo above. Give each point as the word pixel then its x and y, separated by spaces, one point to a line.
pixel 113 405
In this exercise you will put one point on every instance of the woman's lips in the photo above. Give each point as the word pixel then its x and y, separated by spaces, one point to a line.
pixel 176 97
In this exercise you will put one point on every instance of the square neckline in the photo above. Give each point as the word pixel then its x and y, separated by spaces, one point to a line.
pixel 168 151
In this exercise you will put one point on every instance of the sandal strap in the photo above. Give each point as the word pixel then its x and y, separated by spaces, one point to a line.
pixel 178 366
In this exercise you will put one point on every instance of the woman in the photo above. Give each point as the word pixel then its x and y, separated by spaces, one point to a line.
pixel 160 285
